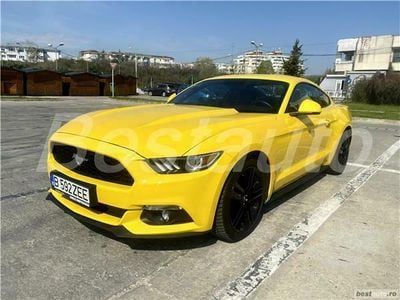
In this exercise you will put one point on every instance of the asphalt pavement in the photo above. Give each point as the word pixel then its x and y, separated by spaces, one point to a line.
pixel 350 240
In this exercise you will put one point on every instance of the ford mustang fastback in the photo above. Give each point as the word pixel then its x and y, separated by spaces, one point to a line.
pixel 205 161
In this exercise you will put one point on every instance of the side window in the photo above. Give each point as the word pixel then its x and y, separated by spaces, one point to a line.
pixel 303 91
pixel 299 94
pixel 319 96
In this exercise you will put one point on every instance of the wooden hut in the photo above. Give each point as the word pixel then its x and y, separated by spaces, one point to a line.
pixel 131 85
pixel 42 82
pixel 12 81
pixel 80 84
pixel 124 85
pixel 105 85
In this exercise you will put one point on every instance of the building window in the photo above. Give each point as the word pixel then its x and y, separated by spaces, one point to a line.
pixel 396 55
pixel 348 56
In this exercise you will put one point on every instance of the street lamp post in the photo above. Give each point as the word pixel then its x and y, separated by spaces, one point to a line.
pixel 59 45
pixel 258 46
pixel 135 55
pixel 113 65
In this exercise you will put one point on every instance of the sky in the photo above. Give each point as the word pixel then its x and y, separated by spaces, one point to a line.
pixel 187 30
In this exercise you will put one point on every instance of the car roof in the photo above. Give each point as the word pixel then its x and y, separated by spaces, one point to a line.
pixel 277 77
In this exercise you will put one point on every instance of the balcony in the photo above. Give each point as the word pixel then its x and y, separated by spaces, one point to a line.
pixel 343 66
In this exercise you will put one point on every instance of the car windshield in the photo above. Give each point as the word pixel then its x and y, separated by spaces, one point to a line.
pixel 244 95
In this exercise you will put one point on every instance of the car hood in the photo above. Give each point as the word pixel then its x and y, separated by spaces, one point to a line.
pixel 159 130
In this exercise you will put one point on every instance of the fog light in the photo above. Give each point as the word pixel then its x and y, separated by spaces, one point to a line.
pixel 164 215
pixel 162 207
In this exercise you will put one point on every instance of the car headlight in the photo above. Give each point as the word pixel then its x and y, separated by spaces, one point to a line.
pixel 184 164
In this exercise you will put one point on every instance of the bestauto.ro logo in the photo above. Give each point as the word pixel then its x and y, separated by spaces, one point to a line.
pixel 377 293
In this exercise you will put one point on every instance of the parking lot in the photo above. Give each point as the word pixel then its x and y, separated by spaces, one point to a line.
pixel 353 247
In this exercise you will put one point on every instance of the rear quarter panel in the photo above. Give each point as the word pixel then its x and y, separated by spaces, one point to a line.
pixel 342 121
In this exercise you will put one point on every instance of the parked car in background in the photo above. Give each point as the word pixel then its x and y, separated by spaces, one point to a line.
pixel 162 89
pixel 146 89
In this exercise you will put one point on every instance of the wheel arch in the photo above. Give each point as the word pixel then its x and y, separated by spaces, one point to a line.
pixel 263 163
pixel 336 141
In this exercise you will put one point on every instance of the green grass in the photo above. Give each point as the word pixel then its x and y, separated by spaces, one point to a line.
pixel 363 110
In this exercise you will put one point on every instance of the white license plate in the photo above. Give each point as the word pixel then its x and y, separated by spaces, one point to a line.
pixel 75 192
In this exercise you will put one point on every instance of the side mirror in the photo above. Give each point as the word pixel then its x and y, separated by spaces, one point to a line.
pixel 308 107
pixel 171 97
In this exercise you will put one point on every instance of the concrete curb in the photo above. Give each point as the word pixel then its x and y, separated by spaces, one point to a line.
pixel 376 121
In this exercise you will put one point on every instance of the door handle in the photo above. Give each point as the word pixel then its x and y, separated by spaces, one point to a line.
pixel 328 123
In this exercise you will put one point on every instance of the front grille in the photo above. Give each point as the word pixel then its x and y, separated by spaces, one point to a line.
pixel 91 164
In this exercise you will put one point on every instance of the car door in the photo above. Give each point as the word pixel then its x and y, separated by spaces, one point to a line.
pixel 322 125
pixel 296 140
pixel 306 136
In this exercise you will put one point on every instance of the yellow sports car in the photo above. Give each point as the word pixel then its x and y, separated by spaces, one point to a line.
pixel 205 161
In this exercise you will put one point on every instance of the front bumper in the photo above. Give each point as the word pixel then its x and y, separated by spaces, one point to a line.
pixel 197 193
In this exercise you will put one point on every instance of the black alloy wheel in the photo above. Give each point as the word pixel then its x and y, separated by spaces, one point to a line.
pixel 339 161
pixel 344 152
pixel 240 207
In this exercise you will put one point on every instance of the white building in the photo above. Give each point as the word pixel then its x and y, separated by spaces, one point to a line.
pixel 360 58
pixel 89 55
pixel 155 60
pixel 249 62
pixel 186 65
pixel 277 59
pixel 28 52
pixel 224 68
pixel 142 59
pixel 338 86
pixel 370 53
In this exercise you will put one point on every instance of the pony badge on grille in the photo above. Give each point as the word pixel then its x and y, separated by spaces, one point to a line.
pixel 78 159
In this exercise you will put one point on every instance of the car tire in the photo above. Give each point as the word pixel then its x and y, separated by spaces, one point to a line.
pixel 339 160
pixel 163 94
pixel 150 93
pixel 240 207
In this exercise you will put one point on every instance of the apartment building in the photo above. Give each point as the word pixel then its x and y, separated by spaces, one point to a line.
pixel 277 59
pixel 89 55
pixel 360 58
pixel 224 68
pixel 369 53
pixel 249 61
pixel 28 52
pixel 142 59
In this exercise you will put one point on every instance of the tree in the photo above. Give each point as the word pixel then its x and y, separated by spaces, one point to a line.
pixel 33 54
pixel 265 68
pixel 205 67
pixel 294 65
